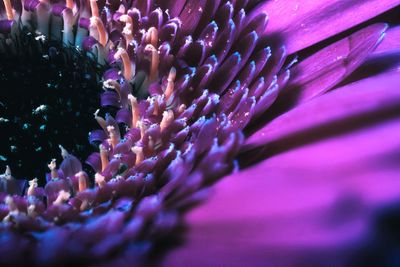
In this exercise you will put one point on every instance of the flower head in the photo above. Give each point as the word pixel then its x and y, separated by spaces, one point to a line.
pixel 186 87
pixel 183 80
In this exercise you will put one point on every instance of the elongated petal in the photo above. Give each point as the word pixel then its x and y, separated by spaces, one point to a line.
pixel 304 23
pixel 370 99
pixel 377 63
pixel 326 68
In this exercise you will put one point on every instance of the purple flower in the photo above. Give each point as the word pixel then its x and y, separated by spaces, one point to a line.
pixel 198 90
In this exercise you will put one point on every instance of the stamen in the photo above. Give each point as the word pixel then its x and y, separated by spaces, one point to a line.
pixel 127 32
pixel 69 4
pixel 141 127
pixel 181 108
pixel 62 197
pixel 168 118
pixel 114 136
pixel 121 9
pixel 128 29
pixel 100 180
pixel 139 154
pixel 7 173
pixel 9 9
pixel 12 207
pixel 32 211
pixel 52 166
pixel 43 17
pixel 96 22
pixel 94 8
pixel 126 19
pixel 103 157
pixel 113 84
pixel 32 185
pixel 11 204
pixel 151 143
pixel 64 152
pixel 123 55
pixel 134 110
pixel 82 181
pixel 152 37
pixel 171 82
pixel 155 60
pixel 100 120
pixel 156 105
pixel 69 19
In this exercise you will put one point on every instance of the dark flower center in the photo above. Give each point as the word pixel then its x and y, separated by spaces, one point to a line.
pixel 48 96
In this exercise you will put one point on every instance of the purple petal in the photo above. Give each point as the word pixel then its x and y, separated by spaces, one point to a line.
pixel 94 161
pixel 326 68
pixel 191 15
pixel 302 24
pixel 357 103
pixel 110 98
pixel 124 116
pixel 97 136
pixel 70 165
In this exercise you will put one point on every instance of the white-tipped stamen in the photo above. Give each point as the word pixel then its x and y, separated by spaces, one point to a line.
pixel 113 84
pixel 32 185
pixel 127 65
pixel 53 168
pixel 82 181
pixel 94 8
pixel 128 29
pixel 152 36
pixel 12 209
pixel 102 122
pixel 43 17
pixel 141 127
pixel 171 82
pixel 68 34
pixel 168 118
pixel 7 174
pixel 62 197
pixel 181 108
pixel 64 152
pixel 95 22
pixel 9 9
pixel 139 154
pixel 10 203
pixel 114 136
pixel 121 9
pixel 103 157
pixel 69 4
pixel 156 105
pixel 100 180
pixel 155 61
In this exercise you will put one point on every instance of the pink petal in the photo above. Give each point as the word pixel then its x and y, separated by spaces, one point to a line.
pixel 370 99
pixel 377 63
pixel 320 72
pixel 304 23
